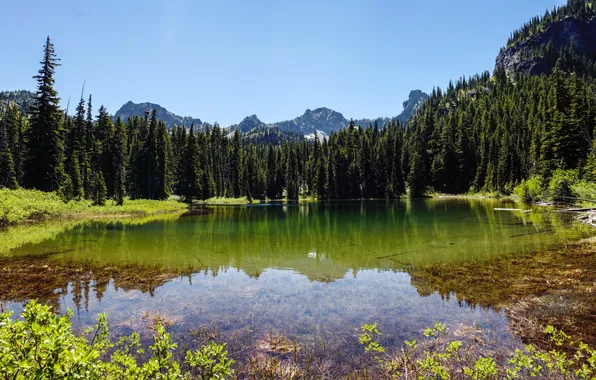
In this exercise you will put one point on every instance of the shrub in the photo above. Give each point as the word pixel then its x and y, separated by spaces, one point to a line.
pixel 440 358
pixel 530 190
pixel 585 190
pixel 559 186
pixel 42 345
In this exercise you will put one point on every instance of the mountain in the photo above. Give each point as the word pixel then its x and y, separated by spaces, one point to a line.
pixel 326 120
pixel 319 135
pixel 131 109
pixel 567 34
pixel 254 130
pixel 249 123
pixel 23 98
pixel 320 122
pixel 270 135
pixel 416 99
pixel 323 120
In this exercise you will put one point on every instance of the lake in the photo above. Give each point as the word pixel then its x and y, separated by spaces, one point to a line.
pixel 312 272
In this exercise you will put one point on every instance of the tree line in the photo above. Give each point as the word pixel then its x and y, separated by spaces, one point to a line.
pixel 488 133
pixel 482 134
pixel 97 158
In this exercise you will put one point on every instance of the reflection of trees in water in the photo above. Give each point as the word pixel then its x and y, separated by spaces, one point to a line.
pixel 324 242
pixel 47 281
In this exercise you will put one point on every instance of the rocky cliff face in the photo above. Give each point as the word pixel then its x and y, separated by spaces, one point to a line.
pixel 532 56
pixel 322 119
pixel 131 109
pixel 415 100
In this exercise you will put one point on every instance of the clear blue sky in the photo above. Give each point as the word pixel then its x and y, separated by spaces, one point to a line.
pixel 222 60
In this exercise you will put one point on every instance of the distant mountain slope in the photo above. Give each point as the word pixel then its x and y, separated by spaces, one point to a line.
pixel 23 98
pixel 131 109
pixel 327 120
pixel 249 123
pixel 568 32
pixel 323 120
pixel 270 136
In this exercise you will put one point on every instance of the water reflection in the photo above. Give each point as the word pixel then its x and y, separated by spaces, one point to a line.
pixel 312 271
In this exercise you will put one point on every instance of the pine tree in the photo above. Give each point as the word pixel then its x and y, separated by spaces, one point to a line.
pixel 163 169
pixel 8 176
pixel 104 135
pixel 83 149
pixel 190 177
pixel 119 150
pixel 99 190
pixel 15 131
pixel 45 166
pixel 236 170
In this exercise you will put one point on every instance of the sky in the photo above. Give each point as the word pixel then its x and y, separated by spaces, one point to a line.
pixel 222 60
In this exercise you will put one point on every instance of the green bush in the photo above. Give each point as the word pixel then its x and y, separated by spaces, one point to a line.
pixel 530 190
pixel 41 345
pixel 563 186
pixel 438 357
pixel 585 190
pixel 559 186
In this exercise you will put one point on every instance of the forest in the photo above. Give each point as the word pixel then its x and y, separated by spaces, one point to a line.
pixel 87 157
pixel 483 134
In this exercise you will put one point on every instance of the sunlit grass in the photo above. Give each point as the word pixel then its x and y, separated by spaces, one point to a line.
pixel 18 206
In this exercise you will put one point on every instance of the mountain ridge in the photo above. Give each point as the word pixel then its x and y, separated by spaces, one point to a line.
pixel 327 120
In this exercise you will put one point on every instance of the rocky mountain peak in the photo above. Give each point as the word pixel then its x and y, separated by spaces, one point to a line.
pixel 130 109
pixel 539 53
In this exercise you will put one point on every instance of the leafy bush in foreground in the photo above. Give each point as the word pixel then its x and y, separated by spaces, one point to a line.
pixel 43 346
pixel 438 357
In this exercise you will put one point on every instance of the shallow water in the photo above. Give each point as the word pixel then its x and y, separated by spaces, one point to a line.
pixel 315 272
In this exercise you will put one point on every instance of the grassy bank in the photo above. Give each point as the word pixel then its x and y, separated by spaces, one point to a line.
pixel 20 206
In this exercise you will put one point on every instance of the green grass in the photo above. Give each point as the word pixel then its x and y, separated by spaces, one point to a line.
pixel 19 206
pixel 228 201
pixel 245 201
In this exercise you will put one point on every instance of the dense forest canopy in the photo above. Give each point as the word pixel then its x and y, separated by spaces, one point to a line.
pixel 486 133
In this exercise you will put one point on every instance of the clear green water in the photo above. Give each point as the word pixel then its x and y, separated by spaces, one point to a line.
pixel 315 272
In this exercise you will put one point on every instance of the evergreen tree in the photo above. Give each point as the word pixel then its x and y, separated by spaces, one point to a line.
pixel 119 150
pixel 163 169
pixel 190 177
pixel 45 165
pixel 8 176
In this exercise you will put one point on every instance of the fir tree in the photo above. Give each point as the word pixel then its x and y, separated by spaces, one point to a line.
pixel 45 166
pixel 119 150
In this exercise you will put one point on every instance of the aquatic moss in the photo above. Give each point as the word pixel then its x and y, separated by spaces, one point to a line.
pixel 554 287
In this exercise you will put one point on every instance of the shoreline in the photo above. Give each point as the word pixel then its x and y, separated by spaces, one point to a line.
pixel 29 207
